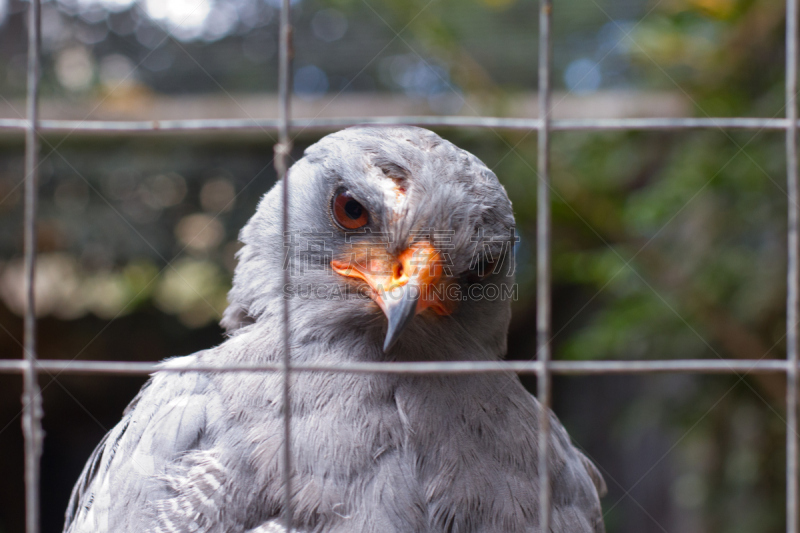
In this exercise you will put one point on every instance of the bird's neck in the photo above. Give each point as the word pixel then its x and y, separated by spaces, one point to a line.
pixel 262 342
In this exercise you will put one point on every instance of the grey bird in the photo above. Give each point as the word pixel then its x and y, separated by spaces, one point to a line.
pixel 402 251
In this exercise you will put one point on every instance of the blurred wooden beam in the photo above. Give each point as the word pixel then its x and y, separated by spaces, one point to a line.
pixel 138 103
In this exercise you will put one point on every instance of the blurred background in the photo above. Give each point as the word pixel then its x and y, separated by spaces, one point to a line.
pixel 666 244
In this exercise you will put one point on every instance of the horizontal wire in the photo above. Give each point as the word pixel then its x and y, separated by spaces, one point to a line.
pixel 711 366
pixel 670 123
pixel 255 125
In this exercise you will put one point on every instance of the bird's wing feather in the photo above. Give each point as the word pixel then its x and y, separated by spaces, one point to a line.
pixel 577 487
pixel 127 471
pixel 594 473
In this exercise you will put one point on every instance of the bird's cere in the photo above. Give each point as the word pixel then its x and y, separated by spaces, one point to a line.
pixel 402 286
pixel 418 266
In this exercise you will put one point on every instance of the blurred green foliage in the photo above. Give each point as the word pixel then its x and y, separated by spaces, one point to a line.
pixel 678 242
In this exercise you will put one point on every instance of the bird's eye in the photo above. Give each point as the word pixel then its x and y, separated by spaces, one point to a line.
pixel 348 212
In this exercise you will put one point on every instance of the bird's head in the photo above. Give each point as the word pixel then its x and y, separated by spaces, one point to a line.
pixel 397 237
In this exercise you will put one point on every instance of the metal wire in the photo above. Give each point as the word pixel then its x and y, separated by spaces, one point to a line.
pixel 543 304
pixel 695 366
pixel 31 397
pixel 543 367
pixel 792 269
pixel 282 151
pixel 326 124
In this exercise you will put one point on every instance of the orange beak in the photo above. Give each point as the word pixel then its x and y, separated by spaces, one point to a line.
pixel 401 286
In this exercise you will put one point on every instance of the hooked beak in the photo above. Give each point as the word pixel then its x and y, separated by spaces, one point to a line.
pixel 400 306
pixel 402 286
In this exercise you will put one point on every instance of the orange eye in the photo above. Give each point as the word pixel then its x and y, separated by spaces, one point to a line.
pixel 347 212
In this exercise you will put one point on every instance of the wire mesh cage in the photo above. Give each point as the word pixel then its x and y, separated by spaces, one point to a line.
pixel 543 367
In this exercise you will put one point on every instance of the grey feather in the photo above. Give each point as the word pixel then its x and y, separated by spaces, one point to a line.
pixel 372 453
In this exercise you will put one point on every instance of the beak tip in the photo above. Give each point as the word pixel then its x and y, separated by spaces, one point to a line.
pixel 392 335
pixel 399 314
pixel 387 344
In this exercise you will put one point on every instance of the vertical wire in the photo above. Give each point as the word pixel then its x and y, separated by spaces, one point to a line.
pixel 793 269
pixel 282 151
pixel 543 301
pixel 31 398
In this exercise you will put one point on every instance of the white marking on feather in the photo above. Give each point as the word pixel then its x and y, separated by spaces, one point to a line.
pixel 187 508
pixel 337 513
pixel 172 482
pixel 170 525
pixel 268 527
pixel 208 502
pixel 212 480
pixel 212 461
